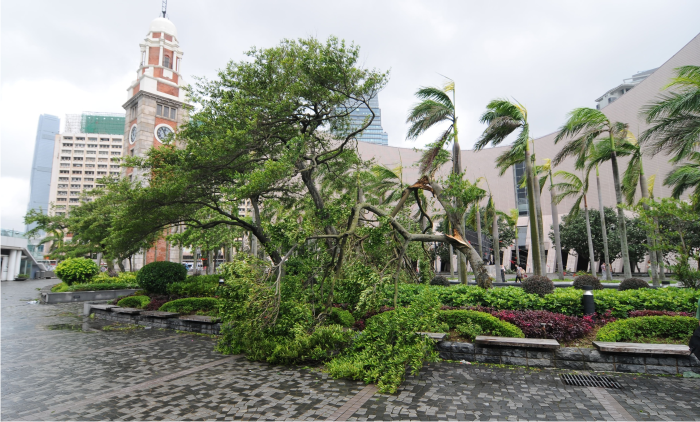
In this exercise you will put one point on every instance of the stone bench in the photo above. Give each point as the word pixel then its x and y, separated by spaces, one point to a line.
pixel 160 314
pixel 534 343
pixel 200 318
pixel 642 348
pixel 434 336
pixel 130 311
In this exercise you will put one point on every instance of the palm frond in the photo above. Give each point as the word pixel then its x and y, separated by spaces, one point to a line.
pixel 425 115
pixel 685 177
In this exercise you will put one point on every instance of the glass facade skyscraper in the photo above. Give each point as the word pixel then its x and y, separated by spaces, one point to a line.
pixel 374 134
pixel 42 163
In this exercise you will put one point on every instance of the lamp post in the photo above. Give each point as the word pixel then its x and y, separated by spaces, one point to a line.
pixel 588 301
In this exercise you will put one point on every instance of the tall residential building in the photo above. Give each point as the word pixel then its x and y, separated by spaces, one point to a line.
pixel 89 149
pixel 154 109
pixel 40 181
pixel 374 134
pixel 622 89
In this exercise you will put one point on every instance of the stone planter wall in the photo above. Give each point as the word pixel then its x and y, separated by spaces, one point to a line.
pixel 570 358
pixel 82 296
pixel 169 323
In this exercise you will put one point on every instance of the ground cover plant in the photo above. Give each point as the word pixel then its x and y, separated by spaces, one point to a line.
pixel 643 328
pixel 134 301
pixel 191 305
pixel 472 322
pixel 195 286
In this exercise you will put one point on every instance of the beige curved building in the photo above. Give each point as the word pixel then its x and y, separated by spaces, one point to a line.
pixel 482 164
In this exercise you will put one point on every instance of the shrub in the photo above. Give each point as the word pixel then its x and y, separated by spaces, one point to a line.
pixel 685 275
pixel 633 329
pixel 557 326
pixel 469 330
pixel 134 302
pixel 100 286
pixel 124 277
pixel 587 280
pixel 76 270
pixel 488 323
pixel 190 305
pixel 634 314
pixel 341 317
pixel 195 286
pixel 59 288
pixel 440 280
pixel 538 285
pixel 633 284
pixel 155 277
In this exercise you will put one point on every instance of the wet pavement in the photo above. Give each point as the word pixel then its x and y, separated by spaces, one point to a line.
pixel 58 365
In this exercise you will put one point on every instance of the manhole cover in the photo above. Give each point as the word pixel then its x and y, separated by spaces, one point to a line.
pixel 589 381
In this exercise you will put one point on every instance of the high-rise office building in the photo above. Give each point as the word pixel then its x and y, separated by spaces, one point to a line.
pixel 40 181
pixel 374 134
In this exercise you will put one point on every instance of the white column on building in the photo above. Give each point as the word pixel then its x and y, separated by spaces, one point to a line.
pixel 12 265
pixel 4 260
pixel 160 60
pixel 18 265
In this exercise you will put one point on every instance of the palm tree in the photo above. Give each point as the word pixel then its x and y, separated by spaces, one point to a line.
pixel 575 187
pixel 659 253
pixel 585 126
pixel 503 118
pixel 547 170
pixel 513 215
pixel 675 117
pixel 436 107
pixel 684 177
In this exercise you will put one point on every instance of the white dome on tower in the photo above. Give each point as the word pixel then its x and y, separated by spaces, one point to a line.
pixel 163 25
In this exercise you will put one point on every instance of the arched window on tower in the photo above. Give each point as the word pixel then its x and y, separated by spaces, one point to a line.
pixel 166 62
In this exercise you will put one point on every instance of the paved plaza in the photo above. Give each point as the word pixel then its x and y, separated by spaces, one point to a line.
pixel 58 365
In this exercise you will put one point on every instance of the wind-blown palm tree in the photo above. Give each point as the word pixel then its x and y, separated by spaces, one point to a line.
pixel 503 118
pixel 546 168
pixel 675 117
pixel 573 186
pixel 436 107
pixel 585 126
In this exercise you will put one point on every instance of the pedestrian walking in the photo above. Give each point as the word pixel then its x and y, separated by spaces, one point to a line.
pixel 503 273
pixel 518 274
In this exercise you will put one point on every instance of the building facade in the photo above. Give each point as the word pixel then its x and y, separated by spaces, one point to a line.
pixel 154 111
pixel 620 90
pixel 42 163
pixel 374 134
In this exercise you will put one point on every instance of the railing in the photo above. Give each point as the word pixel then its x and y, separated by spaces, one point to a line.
pixel 12 233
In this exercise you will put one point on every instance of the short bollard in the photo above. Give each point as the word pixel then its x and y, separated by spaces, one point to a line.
pixel 588 301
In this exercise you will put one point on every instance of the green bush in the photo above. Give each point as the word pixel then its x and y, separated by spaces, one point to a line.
pixel 632 329
pixel 190 305
pixel 76 270
pixel 633 284
pixel 440 280
pixel 685 275
pixel 123 277
pixel 134 302
pixel 60 288
pixel 469 330
pixel 100 286
pixel 341 317
pixel 156 276
pixel 539 285
pixel 195 286
pixel 588 280
pixel 488 323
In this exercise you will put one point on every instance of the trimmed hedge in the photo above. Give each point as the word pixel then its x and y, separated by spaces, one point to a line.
pixel 677 327
pixel 191 305
pixel 539 285
pixel 156 276
pixel 134 302
pixel 100 286
pixel 588 280
pixel 633 283
pixel 76 270
pixel 195 286
pixel 488 323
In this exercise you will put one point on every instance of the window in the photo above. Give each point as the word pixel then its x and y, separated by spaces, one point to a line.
pixel 77 165
pixel 117 140
pixel 92 146
pixel 104 139
pixel 67 137
pixel 101 172
pixel 76 179
pixel 92 152
pixel 79 139
pixel 88 186
pixel 60 213
pixel 132 112
pixel 92 139
pixel 114 153
pixel 165 111
pixel 89 179
pixel 102 166
pixel 74 193
pixel 99 186
pixel 74 200
pixel 80 145
pixel 89 165
pixel 63 186
pixel 64 172
pixel 61 207
pixel 62 193
pixel 75 186
pixel 131 152
pixel 91 159
pixel 67 144
pixel 61 199
pixel 114 166
pixel 102 160
pixel 116 146
pixel 78 152
pixel 89 172
pixel 62 179
pixel 65 158
pixel 104 146
pixel 77 172
pixel 65 151
pixel 104 152
pixel 114 173
pixel 166 61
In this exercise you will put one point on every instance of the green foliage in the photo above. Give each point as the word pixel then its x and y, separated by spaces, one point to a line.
pixel 122 277
pixel 101 286
pixel 488 323
pixel 440 280
pixel 469 330
pixel 632 329
pixel 155 277
pixel 341 317
pixel 588 280
pixel 60 288
pixel 687 276
pixel 633 283
pixel 76 270
pixel 134 302
pixel 191 305
pixel 540 285
pixel 389 344
pixel 195 286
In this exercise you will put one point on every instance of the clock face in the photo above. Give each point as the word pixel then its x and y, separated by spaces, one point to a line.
pixel 132 134
pixel 162 133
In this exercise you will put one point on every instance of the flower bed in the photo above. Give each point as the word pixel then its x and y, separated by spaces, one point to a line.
pixel 640 328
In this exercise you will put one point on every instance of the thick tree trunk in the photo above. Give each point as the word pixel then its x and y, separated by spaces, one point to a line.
pixel 604 230
pixel 591 253
pixel 540 225
pixel 457 169
pixel 650 234
pixel 621 218
pixel 496 249
pixel 532 215
pixel 557 239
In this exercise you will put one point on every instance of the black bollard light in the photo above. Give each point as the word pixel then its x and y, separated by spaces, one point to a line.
pixel 221 282
pixel 588 301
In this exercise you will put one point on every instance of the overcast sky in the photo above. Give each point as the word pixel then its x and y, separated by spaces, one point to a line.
pixel 64 56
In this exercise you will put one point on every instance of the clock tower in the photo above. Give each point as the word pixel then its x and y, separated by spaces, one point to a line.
pixel 154 110
pixel 154 105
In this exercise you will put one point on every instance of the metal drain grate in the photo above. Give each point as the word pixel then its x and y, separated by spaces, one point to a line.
pixel 589 381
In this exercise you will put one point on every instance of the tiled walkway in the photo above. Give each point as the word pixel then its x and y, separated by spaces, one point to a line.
pixel 56 365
